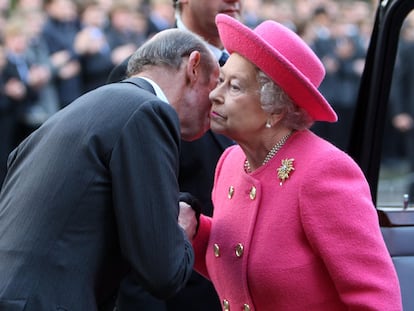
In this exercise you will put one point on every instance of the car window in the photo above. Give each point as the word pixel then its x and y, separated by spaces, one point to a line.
pixel 396 176
pixel 381 141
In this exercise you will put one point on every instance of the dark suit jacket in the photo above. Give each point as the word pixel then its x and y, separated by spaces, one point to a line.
pixel 90 194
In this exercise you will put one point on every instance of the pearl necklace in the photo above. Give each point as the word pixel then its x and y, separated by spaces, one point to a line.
pixel 270 154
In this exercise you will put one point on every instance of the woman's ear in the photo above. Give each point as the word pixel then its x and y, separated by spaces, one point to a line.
pixel 273 119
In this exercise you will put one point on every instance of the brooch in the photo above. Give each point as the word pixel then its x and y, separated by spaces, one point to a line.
pixel 284 170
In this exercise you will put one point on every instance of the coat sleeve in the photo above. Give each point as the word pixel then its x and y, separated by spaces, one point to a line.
pixel 341 224
pixel 200 244
pixel 144 168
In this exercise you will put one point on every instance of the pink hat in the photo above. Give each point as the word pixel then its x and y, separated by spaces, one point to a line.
pixel 284 57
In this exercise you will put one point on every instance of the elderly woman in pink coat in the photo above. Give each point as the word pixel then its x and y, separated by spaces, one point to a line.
pixel 294 227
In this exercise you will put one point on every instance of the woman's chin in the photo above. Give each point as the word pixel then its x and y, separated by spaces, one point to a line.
pixel 217 128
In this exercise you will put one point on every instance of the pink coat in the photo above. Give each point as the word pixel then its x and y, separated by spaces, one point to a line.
pixel 312 243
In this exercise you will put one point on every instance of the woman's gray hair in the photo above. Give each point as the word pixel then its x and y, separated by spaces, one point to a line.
pixel 167 49
pixel 275 100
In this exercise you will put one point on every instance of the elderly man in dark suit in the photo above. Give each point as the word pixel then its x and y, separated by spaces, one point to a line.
pixel 93 193
pixel 198 160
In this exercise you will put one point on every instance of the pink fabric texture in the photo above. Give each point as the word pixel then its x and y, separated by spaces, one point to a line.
pixel 284 57
pixel 312 243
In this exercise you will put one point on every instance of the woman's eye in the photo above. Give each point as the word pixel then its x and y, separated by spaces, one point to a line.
pixel 234 87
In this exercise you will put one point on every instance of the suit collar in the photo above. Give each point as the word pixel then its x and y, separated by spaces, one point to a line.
pixel 141 83
pixel 149 85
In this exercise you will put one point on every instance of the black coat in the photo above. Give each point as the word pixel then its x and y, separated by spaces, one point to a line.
pixel 90 195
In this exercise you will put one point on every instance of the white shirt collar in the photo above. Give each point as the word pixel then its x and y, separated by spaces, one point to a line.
pixel 160 94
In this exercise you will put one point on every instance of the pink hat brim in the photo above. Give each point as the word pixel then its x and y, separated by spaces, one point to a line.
pixel 238 38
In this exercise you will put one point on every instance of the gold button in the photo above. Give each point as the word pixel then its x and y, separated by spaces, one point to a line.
pixel 226 305
pixel 216 250
pixel 231 192
pixel 246 307
pixel 253 193
pixel 239 250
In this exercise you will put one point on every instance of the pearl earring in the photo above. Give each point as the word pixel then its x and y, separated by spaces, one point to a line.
pixel 268 125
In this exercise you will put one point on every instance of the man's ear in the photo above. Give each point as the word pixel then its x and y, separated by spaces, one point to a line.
pixel 193 66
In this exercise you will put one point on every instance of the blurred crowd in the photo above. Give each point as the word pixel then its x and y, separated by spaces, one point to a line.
pixel 52 51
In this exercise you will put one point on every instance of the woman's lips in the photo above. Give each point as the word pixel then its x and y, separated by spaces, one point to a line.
pixel 215 114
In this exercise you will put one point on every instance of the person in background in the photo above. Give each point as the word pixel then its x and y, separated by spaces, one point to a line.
pixel 59 32
pixel 22 79
pixel 294 226
pixel 339 42
pixel 93 193
pixel 198 160
pixel 160 16
pixel 7 119
pixel 402 101
pixel 92 46
pixel 47 102
pixel 121 35
pixel 6 113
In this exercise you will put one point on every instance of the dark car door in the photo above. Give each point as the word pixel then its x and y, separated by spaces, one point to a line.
pixel 386 86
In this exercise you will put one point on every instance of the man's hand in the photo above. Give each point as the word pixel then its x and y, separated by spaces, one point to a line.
pixel 187 220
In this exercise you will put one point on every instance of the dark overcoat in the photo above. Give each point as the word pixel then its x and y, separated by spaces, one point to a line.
pixel 89 196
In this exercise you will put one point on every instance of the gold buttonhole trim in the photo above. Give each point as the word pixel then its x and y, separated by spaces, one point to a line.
pixel 239 250
pixel 231 192
pixel 253 192
pixel 226 305
pixel 216 250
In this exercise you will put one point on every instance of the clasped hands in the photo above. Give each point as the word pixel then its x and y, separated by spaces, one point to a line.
pixel 189 215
